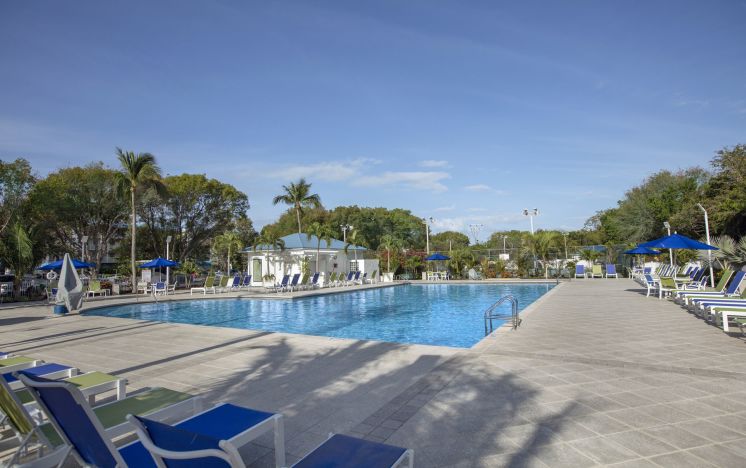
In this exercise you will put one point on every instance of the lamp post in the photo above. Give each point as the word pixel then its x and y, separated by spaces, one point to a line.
pixel 531 214
pixel 427 222
pixel 505 251
pixel 83 242
pixel 168 269
pixel 345 228
pixel 564 234
pixel 667 225
pixel 709 252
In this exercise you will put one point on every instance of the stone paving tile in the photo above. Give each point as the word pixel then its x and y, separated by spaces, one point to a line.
pixel 680 460
pixel 641 443
pixel 563 455
pixel 720 455
pixel 713 432
pixel 677 436
pixel 635 417
pixel 603 450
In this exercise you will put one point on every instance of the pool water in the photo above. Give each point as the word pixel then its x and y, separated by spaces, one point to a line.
pixel 433 314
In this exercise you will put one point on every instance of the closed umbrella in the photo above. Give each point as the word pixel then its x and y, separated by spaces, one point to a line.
pixel 69 288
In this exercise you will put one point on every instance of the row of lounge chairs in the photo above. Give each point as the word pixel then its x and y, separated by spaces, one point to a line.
pixel 669 278
pixel 225 283
pixel 597 271
pixel 294 283
pixel 55 420
pixel 724 305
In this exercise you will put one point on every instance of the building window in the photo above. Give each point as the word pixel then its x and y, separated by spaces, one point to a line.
pixel 353 265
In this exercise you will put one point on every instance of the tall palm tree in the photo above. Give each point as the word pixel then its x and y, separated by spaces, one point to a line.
pixel 389 242
pixel 322 233
pixel 298 195
pixel 138 172
pixel 229 241
pixel 271 240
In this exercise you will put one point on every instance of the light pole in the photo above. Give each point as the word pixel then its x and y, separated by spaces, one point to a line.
pixel 667 225
pixel 531 214
pixel 564 234
pixel 168 269
pixel 345 228
pixel 505 251
pixel 427 222
pixel 83 242
pixel 709 252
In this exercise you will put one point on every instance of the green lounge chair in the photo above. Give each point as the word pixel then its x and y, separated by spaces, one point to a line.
pixel 597 271
pixel 304 282
pixel 332 279
pixel 157 403
pixel 223 286
pixel 16 363
pixel 208 286
pixel 94 289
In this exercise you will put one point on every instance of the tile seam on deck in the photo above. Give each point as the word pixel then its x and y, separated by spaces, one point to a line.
pixel 627 364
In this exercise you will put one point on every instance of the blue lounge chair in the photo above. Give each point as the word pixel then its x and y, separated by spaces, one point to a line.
pixel 348 278
pixel 579 271
pixel 235 284
pixel 282 284
pixel 246 282
pixel 611 270
pixel 294 282
pixel 87 442
pixel 160 288
pixel 315 280
pixel 732 290
pixel 191 444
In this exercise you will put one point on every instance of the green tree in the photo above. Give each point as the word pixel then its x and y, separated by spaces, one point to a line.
pixel 461 260
pixel 16 181
pixel 194 210
pixel 449 240
pixel 299 196
pixel 725 194
pixel 137 172
pixel 17 251
pixel 322 233
pixel 268 240
pixel 79 201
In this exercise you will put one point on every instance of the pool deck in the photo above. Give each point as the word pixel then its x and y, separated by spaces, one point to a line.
pixel 597 375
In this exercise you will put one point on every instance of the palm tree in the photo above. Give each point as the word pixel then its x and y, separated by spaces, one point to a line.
pixel 138 171
pixel 229 241
pixel 271 241
pixel 389 242
pixel 322 233
pixel 298 195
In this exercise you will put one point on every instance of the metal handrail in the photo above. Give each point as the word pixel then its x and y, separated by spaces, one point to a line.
pixel 489 314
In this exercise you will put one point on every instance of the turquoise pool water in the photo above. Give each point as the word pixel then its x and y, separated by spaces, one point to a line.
pixel 432 314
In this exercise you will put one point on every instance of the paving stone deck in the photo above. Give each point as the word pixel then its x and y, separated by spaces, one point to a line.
pixel 597 375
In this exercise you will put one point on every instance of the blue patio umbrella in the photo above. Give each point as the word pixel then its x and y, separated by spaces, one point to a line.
pixel 677 241
pixel 57 265
pixel 159 262
pixel 639 250
pixel 437 256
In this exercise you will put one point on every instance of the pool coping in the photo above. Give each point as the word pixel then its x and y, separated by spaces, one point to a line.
pixel 507 327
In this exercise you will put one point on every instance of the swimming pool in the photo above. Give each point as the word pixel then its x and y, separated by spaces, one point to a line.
pixel 432 314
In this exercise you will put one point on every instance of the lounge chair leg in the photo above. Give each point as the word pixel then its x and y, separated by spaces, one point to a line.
pixel 121 389
pixel 279 441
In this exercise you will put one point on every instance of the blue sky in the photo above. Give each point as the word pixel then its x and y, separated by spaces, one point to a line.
pixel 466 112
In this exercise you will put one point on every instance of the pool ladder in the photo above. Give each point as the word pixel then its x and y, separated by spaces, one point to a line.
pixel 490 314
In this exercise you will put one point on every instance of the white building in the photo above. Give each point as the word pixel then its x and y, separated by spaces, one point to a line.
pixel 269 263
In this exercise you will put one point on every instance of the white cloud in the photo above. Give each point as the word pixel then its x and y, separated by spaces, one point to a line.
pixel 422 180
pixel 432 163
pixel 331 171
pixel 478 188
pixel 445 208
